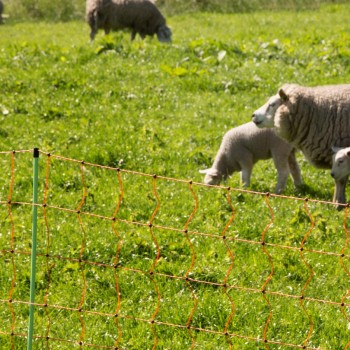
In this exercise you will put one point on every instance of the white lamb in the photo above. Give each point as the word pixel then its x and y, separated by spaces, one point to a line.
pixel 243 146
pixel 341 168
pixel 312 119
pixel 140 16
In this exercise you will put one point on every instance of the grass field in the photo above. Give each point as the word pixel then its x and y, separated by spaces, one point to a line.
pixel 162 109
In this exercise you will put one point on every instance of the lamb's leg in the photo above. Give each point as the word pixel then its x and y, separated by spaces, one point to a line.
pixel 246 172
pixel 246 166
pixel 295 170
pixel 245 177
pixel 282 167
pixel 339 192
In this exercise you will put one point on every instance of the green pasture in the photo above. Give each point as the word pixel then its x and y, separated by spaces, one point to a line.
pixel 149 108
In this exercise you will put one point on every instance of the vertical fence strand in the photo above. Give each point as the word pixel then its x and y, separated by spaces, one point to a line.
pixel 312 273
pixel 228 272
pixel 342 305
pixel 151 272
pixel 49 267
pixel 193 259
pixel 81 264
pixel 116 260
pixel 12 249
pixel 263 288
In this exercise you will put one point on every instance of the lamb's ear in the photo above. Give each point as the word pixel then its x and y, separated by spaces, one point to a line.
pixel 336 149
pixel 348 153
pixel 283 95
pixel 210 171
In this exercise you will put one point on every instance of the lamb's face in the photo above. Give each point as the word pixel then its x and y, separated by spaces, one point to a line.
pixel 212 176
pixel 264 117
pixel 164 34
pixel 341 163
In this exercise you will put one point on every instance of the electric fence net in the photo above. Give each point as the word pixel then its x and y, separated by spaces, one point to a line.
pixel 127 260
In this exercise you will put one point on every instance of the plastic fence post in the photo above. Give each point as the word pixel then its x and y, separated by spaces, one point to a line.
pixel 33 255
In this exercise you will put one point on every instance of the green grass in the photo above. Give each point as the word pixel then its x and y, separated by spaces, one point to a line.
pixel 163 109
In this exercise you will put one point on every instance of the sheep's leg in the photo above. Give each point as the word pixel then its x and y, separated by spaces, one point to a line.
pixel 295 170
pixel 92 35
pixel 339 192
pixel 282 167
pixel 93 21
pixel 133 34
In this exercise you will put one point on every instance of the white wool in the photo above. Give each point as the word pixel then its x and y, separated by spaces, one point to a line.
pixel 313 119
pixel 246 144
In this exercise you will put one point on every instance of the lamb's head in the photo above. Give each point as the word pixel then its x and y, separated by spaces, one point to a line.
pixel 212 176
pixel 341 163
pixel 164 34
pixel 264 117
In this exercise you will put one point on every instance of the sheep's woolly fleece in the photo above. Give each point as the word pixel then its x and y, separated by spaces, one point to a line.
pixel 243 146
pixel 140 16
pixel 313 119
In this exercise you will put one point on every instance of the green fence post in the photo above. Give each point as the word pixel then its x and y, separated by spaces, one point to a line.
pixel 33 256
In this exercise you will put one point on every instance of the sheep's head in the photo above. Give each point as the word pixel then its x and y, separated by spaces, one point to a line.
pixel 164 34
pixel 341 163
pixel 212 176
pixel 264 117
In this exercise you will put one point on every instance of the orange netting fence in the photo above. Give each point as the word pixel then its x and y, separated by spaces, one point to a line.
pixel 127 260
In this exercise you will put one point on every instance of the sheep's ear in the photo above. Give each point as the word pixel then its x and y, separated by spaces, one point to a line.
pixel 336 149
pixel 348 153
pixel 283 95
pixel 205 171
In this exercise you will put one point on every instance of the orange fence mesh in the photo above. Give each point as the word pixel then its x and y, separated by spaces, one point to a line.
pixel 139 273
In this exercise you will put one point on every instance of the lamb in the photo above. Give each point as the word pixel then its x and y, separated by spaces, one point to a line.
pixel 312 119
pixel 341 168
pixel 140 16
pixel 243 146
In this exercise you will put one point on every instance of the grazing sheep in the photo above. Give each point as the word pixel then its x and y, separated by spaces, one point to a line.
pixel 341 169
pixel 243 146
pixel 312 119
pixel 140 16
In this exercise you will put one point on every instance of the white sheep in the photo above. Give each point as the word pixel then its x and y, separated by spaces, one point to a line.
pixel 312 119
pixel 341 169
pixel 243 146
pixel 140 16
